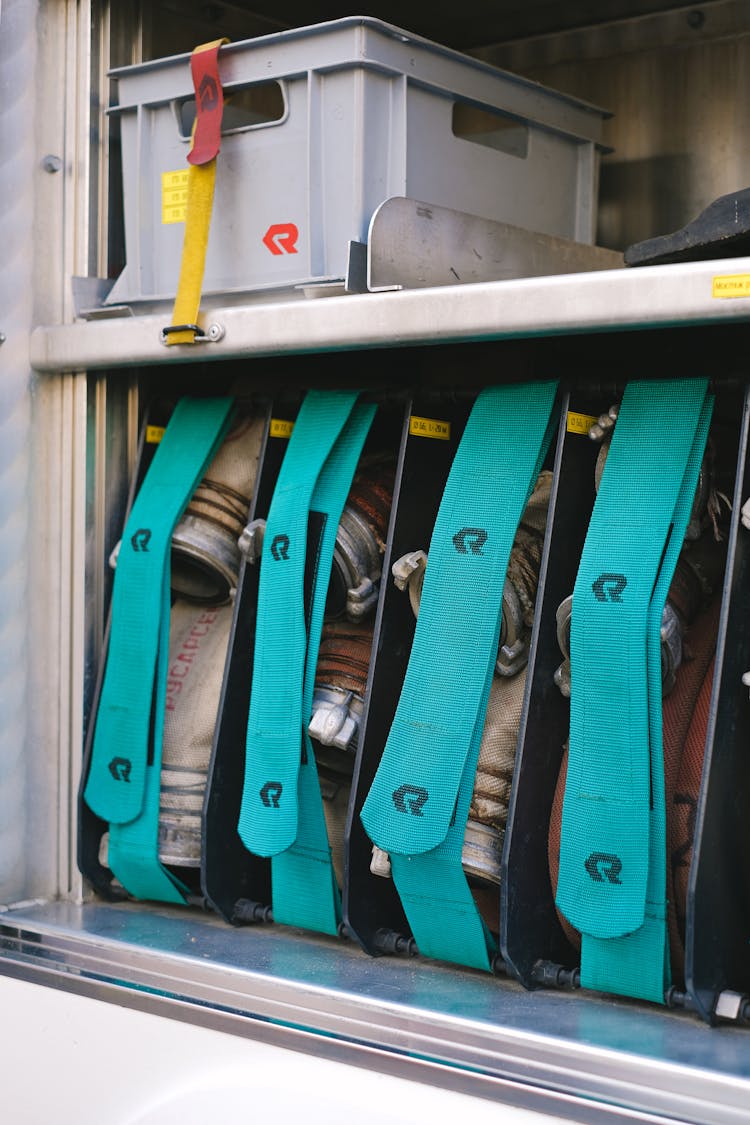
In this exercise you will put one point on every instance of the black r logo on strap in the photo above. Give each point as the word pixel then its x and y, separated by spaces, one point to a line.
pixel 609 587
pixel 120 769
pixel 270 794
pixel 140 539
pixel 602 865
pixel 208 93
pixel 410 799
pixel 470 539
pixel 280 547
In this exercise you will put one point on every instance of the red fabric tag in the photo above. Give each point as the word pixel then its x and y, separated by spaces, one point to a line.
pixel 209 102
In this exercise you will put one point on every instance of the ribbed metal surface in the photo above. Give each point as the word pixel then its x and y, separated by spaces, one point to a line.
pixel 17 79
pixel 673 83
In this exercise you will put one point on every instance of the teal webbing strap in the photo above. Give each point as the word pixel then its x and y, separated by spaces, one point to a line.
pixel 612 882
pixel 281 812
pixel 305 892
pixel 418 804
pixel 268 813
pixel 124 775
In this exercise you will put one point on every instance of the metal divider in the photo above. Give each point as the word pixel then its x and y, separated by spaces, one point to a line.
pixel 718 902
pixel 237 884
pixel 530 930
pixel 372 908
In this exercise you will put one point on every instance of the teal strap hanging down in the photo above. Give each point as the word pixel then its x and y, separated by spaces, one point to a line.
pixel 305 892
pixel 418 804
pixel 124 776
pixel 612 881
pixel 281 813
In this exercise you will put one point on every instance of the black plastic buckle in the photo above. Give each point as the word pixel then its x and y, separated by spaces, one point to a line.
pixel 200 335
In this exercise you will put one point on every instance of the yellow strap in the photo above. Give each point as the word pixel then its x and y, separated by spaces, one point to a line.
pixel 200 198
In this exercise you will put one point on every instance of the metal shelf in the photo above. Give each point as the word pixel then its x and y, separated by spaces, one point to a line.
pixel 610 300
pixel 576 1056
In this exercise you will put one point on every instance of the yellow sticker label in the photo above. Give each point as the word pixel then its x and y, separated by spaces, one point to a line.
pixel 429 427
pixel 280 428
pixel 174 193
pixel 154 434
pixel 579 423
pixel 731 285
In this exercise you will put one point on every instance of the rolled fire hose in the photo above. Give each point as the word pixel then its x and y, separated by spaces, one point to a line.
pixel 338 700
pixel 204 571
pixel 684 723
pixel 685 720
pixel 360 541
pixel 488 811
pixel 698 573
pixel 686 713
pixel 346 638
pixel 205 554
pixel 281 812
pixel 198 639
pixel 346 645
pixel 124 775
pixel 417 806
pixel 699 568
pixel 338 703
pixel 204 567
pixel 612 876
pixel 519 591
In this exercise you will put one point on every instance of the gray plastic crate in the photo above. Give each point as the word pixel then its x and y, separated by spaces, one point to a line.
pixel 321 125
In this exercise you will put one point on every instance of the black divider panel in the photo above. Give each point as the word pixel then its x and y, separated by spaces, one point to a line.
pixel 236 883
pixel 530 929
pixel 372 908
pixel 718 907
pixel 229 873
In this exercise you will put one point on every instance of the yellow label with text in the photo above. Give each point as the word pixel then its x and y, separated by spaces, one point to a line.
pixel 579 423
pixel 154 434
pixel 429 427
pixel 174 193
pixel 280 428
pixel 731 285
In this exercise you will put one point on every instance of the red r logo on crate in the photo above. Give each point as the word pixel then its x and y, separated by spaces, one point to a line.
pixel 281 238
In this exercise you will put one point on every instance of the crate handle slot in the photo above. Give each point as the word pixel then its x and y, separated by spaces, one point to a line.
pixel 488 127
pixel 245 107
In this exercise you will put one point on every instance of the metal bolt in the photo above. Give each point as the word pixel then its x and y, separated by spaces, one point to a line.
pixel 602 428
pixel 51 163
pixel 696 19
pixel 250 542
pixel 216 332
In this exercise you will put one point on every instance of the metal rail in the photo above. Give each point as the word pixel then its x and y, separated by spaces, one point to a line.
pixel 608 300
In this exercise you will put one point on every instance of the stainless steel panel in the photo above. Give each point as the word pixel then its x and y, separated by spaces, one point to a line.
pixel 582 1057
pixel 413 245
pixel 675 83
pixel 656 296
pixel 468 24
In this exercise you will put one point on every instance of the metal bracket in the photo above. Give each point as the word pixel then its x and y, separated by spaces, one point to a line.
pixel 212 335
